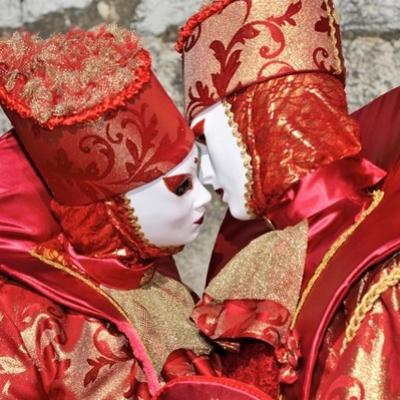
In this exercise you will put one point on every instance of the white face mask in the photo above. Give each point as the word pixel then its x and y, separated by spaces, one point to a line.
pixel 222 164
pixel 170 209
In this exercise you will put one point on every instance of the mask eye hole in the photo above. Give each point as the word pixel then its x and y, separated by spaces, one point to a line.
pixel 198 130
pixel 201 139
pixel 179 184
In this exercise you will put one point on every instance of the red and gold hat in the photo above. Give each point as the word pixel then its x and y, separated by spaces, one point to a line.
pixel 89 111
pixel 231 44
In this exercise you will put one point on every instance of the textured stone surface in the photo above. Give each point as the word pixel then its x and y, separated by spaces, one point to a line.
pixel 32 10
pixel 372 68
pixel 11 13
pixel 371 32
pixel 154 18
pixel 369 15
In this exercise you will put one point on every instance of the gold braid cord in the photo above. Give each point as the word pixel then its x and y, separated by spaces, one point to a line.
pixel 367 303
pixel 377 197
pixel 333 18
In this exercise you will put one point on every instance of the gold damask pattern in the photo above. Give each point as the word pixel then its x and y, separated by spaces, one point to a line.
pixel 159 311
pixel 49 352
pixel 270 268
pixel 254 40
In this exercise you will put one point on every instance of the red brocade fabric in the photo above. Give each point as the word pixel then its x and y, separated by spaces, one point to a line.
pixel 52 352
pixel 291 126
pixel 124 149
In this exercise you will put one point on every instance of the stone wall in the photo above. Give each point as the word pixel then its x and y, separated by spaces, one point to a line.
pixel 371 33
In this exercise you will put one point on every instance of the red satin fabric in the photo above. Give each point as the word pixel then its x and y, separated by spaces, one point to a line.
pixel 236 319
pixel 361 251
pixel 232 322
pixel 199 388
pixel 380 129
pixel 331 199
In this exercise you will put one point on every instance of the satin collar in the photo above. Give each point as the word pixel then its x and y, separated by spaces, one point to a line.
pixel 344 181
pixel 330 199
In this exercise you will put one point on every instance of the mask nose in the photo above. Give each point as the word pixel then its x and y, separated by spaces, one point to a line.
pixel 203 196
pixel 207 173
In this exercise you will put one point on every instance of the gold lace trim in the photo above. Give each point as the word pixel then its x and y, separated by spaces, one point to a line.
pixel 332 16
pixel 377 197
pixel 367 303
pixel 245 157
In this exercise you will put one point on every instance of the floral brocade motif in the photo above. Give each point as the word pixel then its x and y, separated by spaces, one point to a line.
pixel 360 354
pixel 124 149
pixel 249 41
pixel 291 126
pixel 51 352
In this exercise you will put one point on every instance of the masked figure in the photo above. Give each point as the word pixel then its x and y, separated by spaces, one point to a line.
pixel 90 306
pixel 269 103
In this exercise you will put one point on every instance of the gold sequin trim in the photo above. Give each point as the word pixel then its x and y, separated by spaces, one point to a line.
pixel 367 303
pixel 332 16
pixel 245 157
pixel 377 197
pixel 134 221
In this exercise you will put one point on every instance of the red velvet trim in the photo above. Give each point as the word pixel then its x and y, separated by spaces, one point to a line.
pixel 143 74
pixel 195 20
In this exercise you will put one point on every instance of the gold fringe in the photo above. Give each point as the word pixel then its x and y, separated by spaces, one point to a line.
pixel 377 197
pixel 367 303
